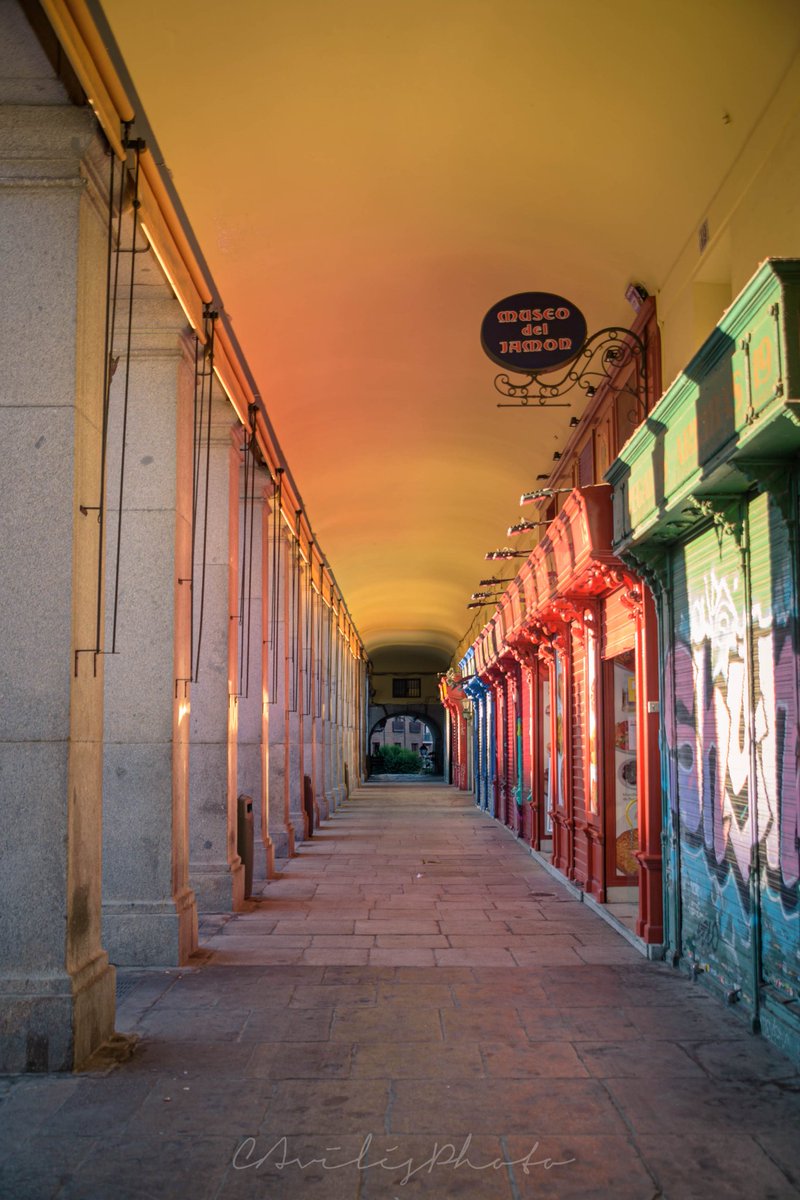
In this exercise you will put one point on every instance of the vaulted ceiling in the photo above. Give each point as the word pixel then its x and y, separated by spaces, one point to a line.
pixel 366 177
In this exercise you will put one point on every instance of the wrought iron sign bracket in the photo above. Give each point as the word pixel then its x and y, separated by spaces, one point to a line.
pixel 598 362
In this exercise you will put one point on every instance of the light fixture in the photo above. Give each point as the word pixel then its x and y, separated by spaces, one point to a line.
pixel 636 294
pixel 485 595
pixel 507 553
pixel 482 603
pixel 491 582
pixel 540 494
pixel 556 455
pixel 574 422
pixel 524 526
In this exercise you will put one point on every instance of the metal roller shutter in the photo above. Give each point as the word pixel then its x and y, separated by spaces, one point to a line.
pixel 775 712
pixel 619 628
pixel 709 675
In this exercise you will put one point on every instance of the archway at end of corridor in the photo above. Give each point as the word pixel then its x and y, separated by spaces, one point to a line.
pixel 401 727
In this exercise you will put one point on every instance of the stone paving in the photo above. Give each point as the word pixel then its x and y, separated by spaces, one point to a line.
pixel 414 1009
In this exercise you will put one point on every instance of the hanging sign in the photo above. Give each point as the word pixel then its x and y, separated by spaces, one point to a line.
pixel 533 332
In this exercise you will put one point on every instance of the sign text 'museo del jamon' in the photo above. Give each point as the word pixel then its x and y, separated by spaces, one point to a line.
pixel 533 332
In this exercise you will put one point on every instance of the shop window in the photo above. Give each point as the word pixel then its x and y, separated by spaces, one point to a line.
pixel 626 832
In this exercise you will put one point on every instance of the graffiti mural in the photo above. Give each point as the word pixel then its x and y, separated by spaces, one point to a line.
pixel 711 735
pixel 731 725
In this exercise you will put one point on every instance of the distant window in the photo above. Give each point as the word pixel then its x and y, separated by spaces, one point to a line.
pixel 415 746
pixel 376 747
pixel 406 687
pixel 400 744
pixel 414 727
pixel 398 725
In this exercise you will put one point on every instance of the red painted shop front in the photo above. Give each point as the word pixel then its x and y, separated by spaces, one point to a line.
pixel 572 657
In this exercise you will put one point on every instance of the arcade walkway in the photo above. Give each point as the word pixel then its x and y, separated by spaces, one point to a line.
pixel 416 977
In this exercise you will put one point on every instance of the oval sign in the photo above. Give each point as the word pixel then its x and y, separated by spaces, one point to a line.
pixel 533 332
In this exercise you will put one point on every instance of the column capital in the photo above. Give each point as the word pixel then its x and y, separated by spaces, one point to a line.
pixel 43 145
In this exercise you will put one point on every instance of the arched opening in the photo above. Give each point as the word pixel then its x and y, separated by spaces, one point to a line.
pixel 405 742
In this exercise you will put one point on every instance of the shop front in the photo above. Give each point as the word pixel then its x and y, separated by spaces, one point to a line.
pixel 570 661
pixel 706 508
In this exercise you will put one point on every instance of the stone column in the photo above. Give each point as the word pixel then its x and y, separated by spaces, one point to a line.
pixel 216 871
pixel 56 985
pixel 149 912
pixel 309 697
pixel 264 802
pixel 334 799
pixel 337 771
pixel 252 683
pixel 280 824
pixel 294 691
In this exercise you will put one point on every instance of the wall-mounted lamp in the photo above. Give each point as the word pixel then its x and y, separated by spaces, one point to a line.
pixel 574 422
pixel 540 494
pixel 524 526
pixel 556 455
pixel 506 553
pixel 482 603
pixel 492 582
pixel 636 294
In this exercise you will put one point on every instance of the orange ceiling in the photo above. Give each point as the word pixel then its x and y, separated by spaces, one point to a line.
pixel 366 178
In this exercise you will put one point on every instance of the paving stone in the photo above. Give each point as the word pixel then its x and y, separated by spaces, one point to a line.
pixel 445 1166
pixel 322 1107
pixel 40 1169
pixel 580 1167
pixel 164 1167
pixel 404 958
pixel 300 1060
pixel 531 1107
pixel 699 1165
pixel 387 1024
pixel 523 1060
pixel 415 1060
pixel 420 995
pixel 643 1059
pixel 318 995
pixel 499 1023
pixel 288 1025
pixel 284 1168
pixel 682 1105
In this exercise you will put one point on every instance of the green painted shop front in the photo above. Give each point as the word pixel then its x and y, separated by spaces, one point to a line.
pixel 706 509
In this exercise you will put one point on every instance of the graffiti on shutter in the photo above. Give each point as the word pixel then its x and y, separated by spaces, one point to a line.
pixel 710 738
pixel 775 712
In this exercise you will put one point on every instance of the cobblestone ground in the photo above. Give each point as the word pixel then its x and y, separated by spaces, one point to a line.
pixel 414 1009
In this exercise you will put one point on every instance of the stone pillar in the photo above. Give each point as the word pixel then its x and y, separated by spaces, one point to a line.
pixel 281 829
pixel 309 696
pixel 216 871
pixel 56 985
pixel 334 799
pixel 149 912
pixel 294 747
pixel 265 816
pixel 252 686
pixel 337 761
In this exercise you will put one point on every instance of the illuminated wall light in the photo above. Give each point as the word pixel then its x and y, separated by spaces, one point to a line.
pixel 170 280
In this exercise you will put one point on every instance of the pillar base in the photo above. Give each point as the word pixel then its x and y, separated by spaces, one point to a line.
pixel 142 933
pixel 218 887
pixel 55 1022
